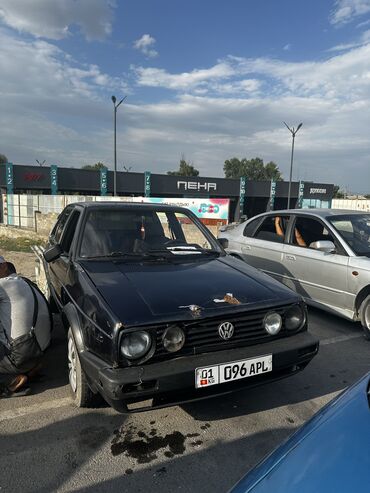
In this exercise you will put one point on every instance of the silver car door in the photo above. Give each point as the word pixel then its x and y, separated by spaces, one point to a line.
pixel 317 275
pixel 265 248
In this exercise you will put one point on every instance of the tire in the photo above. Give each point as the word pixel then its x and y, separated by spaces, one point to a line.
pixel 365 317
pixel 80 391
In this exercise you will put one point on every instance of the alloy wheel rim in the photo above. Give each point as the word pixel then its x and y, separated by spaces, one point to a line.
pixel 72 364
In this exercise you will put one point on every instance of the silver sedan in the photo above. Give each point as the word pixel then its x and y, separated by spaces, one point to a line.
pixel 323 254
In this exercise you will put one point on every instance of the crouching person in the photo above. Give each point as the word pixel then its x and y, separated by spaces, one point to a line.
pixel 25 330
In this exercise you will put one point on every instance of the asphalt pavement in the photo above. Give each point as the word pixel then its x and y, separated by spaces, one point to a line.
pixel 46 444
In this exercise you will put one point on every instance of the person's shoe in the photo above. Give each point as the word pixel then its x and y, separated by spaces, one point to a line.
pixel 35 371
pixel 18 382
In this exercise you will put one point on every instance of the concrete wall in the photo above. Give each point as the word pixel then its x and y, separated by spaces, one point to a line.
pixel 353 204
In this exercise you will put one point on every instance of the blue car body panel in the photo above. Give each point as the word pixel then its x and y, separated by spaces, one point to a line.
pixel 330 454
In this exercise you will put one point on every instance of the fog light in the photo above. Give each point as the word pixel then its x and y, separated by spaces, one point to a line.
pixel 173 339
pixel 272 323
pixel 294 317
pixel 135 344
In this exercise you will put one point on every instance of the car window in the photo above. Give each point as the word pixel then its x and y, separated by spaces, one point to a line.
pixel 251 227
pixel 130 231
pixel 308 230
pixel 56 234
pixel 273 228
pixel 69 232
pixel 355 230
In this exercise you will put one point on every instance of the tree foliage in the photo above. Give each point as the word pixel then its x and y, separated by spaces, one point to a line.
pixel 94 167
pixel 3 159
pixel 253 169
pixel 185 169
pixel 338 193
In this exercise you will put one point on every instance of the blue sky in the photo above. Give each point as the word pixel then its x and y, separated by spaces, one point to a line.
pixel 208 79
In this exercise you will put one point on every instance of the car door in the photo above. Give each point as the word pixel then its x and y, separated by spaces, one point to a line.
pixel 59 268
pixel 316 275
pixel 263 246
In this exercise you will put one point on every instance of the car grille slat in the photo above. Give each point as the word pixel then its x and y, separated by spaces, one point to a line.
pixel 203 336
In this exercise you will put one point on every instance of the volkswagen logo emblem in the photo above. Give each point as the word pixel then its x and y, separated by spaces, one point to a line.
pixel 226 330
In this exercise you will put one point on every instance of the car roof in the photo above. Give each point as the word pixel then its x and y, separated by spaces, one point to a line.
pixel 315 212
pixel 128 205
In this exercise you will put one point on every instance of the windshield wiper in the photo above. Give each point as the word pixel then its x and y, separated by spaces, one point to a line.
pixel 131 256
pixel 185 250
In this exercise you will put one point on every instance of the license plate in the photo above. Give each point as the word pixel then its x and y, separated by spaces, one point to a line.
pixel 228 372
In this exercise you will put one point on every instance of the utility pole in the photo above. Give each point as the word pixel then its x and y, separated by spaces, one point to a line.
pixel 114 99
pixel 293 132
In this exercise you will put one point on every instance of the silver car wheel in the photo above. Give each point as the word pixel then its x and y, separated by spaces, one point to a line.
pixel 367 316
pixel 72 364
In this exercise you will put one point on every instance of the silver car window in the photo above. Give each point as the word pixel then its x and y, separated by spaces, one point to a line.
pixel 308 230
pixel 273 228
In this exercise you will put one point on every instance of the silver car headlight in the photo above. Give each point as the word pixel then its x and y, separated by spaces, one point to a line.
pixel 173 339
pixel 136 344
pixel 272 323
pixel 294 317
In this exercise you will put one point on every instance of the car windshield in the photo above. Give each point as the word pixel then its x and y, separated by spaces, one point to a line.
pixel 355 230
pixel 133 233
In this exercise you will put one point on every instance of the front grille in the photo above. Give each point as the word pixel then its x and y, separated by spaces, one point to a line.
pixel 202 335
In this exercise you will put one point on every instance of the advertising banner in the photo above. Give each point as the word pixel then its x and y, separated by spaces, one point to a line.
pixel 243 182
pixel 54 179
pixel 9 178
pixel 103 181
pixel 202 208
pixel 272 195
pixel 147 183
pixel 300 195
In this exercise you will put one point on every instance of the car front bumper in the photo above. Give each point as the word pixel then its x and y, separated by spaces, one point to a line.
pixel 172 382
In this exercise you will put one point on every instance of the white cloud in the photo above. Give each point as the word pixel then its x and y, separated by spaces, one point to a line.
pixel 287 47
pixel 346 10
pixel 145 45
pixel 53 19
pixel 156 77
pixel 363 40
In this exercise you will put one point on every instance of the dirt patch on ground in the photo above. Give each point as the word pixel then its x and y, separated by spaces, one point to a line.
pixel 15 246
pixel 25 263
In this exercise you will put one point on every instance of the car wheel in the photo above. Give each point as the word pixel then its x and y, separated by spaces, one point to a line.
pixel 365 317
pixel 82 395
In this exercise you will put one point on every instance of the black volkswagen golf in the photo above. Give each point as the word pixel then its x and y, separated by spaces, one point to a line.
pixel 158 314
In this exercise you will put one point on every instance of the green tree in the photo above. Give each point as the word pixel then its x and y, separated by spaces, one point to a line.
pixel 253 169
pixel 338 193
pixel 94 167
pixel 185 169
pixel 3 159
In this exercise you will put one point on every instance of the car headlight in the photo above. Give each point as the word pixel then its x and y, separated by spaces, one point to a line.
pixel 272 323
pixel 173 339
pixel 135 344
pixel 294 317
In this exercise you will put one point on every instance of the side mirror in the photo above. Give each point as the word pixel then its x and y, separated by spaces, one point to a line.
pixel 223 242
pixel 52 253
pixel 323 246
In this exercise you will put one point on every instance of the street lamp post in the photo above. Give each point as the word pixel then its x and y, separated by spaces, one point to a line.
pixel 293 132
pixel 114 99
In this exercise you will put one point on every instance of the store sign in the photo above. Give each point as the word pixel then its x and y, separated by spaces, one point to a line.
pixel 33 177
pixel 54 179
pixel 147 175
pixel 103 181
pixel 202 208
pixel 243 184
pixel 9 178
pixel 315 191
pixel 196 185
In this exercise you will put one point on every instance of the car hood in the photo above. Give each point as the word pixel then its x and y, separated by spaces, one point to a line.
pixel 329 453
pixel 147 292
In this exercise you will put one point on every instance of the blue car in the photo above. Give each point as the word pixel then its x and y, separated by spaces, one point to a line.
pixel 329 454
